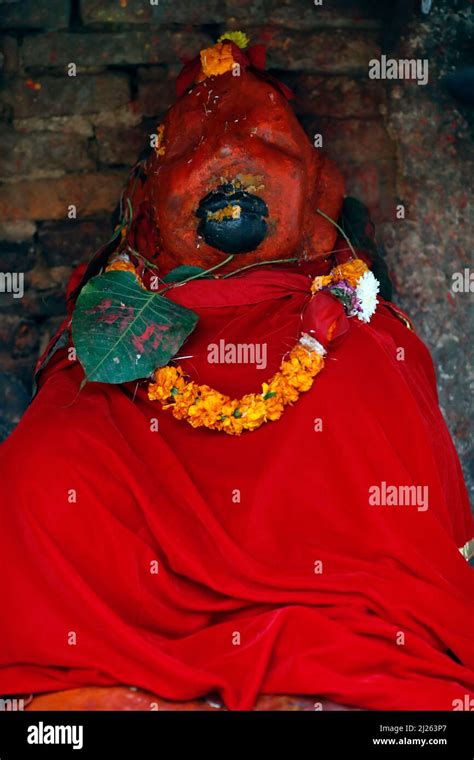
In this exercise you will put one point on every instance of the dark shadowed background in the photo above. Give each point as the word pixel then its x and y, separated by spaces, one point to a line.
pixel 70 140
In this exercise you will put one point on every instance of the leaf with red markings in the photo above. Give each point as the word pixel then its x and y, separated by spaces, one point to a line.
pixel 122 332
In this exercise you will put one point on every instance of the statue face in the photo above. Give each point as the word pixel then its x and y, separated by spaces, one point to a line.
pixel 239 176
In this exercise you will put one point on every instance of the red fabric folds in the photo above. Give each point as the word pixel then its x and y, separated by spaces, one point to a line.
pixel 275 573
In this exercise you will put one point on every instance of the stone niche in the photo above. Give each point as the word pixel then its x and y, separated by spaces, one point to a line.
pixel 405 147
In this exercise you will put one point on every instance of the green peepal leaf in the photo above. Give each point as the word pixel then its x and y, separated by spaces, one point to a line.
pixel 122 332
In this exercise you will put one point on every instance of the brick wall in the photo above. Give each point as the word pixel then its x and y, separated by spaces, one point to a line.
pixel 70 140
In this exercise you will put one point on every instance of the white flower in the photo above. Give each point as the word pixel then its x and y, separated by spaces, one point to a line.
pixel 366 293
pixel 121 256
pixel 311 344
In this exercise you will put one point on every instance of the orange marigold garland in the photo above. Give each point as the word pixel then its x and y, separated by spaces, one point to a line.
pixel 202 406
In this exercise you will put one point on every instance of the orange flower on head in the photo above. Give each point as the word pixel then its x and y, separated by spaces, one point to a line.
pixel 217 59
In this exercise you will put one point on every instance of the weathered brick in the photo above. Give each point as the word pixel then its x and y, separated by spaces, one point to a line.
pixel 127 116
pixel 43 154
pixel 72 242
pixel 335 96
pixel 19 336
pixel 355 140
pixel 156 91
pixel 60 96
pixel 44 294
pixel 32 14
pixel 49 327
pixel 365 155
pixel 8 326
pixel 100 12
pixel 50 198
pixel 35 303
pixel 44 278
pixel 332 51
pixel 6 110
pixel 121 147
pixel 8 54
pixel 16 256
pixel 304 14
pixel 25 340
pixel 374 184
pixel 78 125
pixel 14 398
pixel 112 48
pixel 17 232
pixel 247 13
pixel 9 302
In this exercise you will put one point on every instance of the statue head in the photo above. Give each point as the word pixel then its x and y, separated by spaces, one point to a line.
pixel 232 171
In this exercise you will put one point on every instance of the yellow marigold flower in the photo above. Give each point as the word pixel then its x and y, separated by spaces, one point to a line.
pixel 229 407
pixel 196 413
pixel 217 59
pixel 320 282
pixel 285 392
pixel 120 266
pixel 232 425
pixel 155 392
pixel 205 406
pixel 301 381
pixel 212 401
pixel 351 271
pixel 186 396
pixel 210 408
pixel 239 38
pixel 195 421
pixel 124 266
pixel 274 408
pixel 253 410
pixel 300 369
pixel 290 366
pixel 310 360
pixel 166 379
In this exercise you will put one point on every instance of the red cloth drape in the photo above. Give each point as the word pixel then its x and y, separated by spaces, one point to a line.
pixel 238 525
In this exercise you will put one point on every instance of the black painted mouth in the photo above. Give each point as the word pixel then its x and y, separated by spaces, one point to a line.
pixel 232 220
